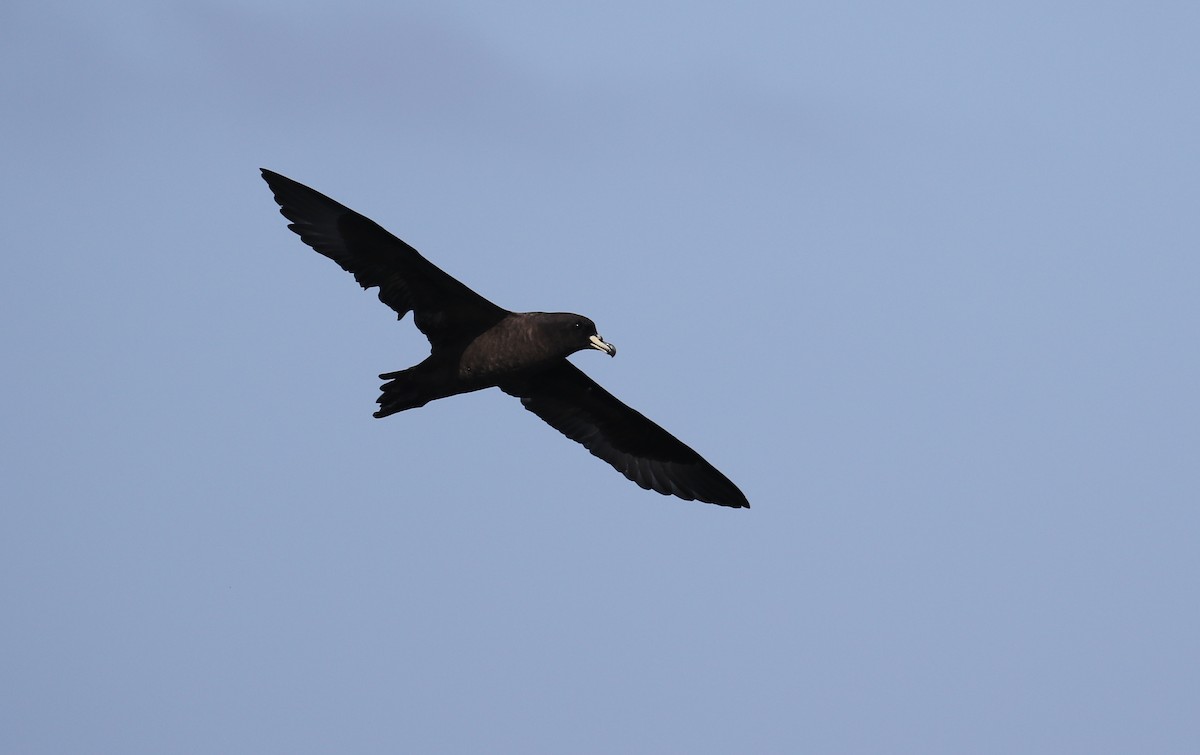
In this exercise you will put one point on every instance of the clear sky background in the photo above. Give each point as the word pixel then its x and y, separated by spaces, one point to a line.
pixel 922 278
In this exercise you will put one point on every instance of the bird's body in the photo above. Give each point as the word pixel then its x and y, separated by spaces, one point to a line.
pixel 476 344
pixel 508 351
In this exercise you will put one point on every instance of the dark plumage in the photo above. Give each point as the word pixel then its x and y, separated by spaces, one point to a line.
pixel 476 344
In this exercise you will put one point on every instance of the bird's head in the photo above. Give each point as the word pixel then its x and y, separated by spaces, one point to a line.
pixel 576 333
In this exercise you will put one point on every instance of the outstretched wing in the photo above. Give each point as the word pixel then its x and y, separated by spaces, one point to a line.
pixel 572 403
pixel 445 310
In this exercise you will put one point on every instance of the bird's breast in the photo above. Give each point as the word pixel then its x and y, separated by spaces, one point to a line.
pixel 499 353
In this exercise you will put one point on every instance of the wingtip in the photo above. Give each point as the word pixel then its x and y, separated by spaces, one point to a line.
pixel 271 177
pixel 733 499
pixel 737 504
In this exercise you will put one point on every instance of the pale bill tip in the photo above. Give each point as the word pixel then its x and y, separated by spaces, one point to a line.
pixel 602 345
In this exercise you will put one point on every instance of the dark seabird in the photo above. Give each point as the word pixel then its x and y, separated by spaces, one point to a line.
pixel 476 344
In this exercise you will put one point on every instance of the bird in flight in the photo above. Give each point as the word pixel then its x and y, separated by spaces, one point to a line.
pixel 476 344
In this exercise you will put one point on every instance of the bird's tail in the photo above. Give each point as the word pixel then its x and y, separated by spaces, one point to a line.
pixel 401 391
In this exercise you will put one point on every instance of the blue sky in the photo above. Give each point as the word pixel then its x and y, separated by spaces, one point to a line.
pixel 921 278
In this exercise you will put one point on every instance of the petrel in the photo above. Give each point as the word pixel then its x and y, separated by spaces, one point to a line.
pixel 476 344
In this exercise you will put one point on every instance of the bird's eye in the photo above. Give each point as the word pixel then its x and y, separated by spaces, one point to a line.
pixel 578 325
